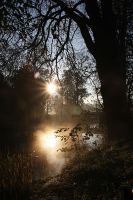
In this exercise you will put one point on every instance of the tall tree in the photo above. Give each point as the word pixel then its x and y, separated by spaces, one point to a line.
pixel 30 98
pixel 74 87
pixel 107 20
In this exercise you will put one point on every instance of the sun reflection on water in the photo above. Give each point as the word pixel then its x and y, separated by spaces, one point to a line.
pixel 46 146
pixel 48 141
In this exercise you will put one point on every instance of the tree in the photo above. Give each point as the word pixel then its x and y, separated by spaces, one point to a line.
pixel 22 105
pixel 74 87
pixel 30 98
pixel 130 85
pixel 108 48
pixel 129 72
pixel 103 27
pixel 6 114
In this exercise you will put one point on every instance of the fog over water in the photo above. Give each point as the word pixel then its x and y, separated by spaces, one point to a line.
pixel 49 160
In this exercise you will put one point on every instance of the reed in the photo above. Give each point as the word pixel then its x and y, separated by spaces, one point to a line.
pixel 15 176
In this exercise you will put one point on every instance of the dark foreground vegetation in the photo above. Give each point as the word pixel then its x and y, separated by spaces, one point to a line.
pixel 15 176
pixel 100 174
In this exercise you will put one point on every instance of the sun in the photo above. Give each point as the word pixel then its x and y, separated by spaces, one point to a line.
pixel 51 88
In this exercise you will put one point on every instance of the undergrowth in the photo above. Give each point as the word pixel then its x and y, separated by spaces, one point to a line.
pixel 15 176
pixel 105 173
pixel 102 174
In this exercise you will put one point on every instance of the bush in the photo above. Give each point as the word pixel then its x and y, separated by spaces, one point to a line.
pixel 102 174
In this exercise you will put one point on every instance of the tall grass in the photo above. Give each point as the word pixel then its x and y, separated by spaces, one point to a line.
pixel 15 176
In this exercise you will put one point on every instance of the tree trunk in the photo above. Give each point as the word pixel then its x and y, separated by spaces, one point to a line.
pixel 110 63
pixel 112 74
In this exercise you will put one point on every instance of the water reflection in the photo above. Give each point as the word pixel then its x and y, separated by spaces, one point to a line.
pixel 48 141
pixel 48 161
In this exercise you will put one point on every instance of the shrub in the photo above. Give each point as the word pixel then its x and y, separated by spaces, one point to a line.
pixel 103 173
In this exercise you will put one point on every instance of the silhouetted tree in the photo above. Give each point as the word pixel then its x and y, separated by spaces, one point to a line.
pixel 130 85
pixel 29 96
pixel 6 117
pixel 74 87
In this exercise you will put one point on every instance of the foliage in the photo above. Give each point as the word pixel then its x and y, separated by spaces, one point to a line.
pixel 80 137
pixel 74 86
pixel 129 79
pixel 6 112
pixel 30 95
pixel 104 173
pixel 15 176
pixel 23 103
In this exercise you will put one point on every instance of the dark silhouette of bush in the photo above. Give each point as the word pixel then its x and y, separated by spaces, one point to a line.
pixel 103 173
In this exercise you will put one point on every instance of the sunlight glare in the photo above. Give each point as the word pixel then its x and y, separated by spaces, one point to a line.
pixel 48 141
pixel 51 88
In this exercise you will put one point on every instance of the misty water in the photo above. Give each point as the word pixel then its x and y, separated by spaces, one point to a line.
pixel 49 160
